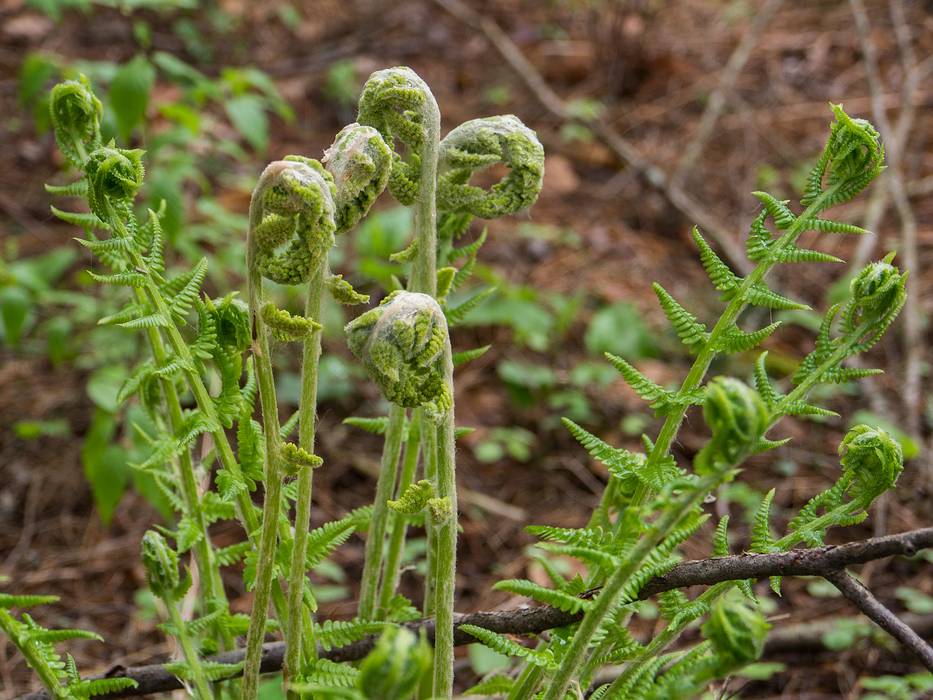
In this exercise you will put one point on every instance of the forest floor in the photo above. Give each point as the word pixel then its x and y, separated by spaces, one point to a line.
pixel 601 230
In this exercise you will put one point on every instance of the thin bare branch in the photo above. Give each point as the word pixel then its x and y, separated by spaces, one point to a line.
pixel 821 561
pixel 865 601
pixel 717 100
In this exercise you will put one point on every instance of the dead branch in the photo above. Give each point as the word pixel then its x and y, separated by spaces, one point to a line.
pixel 864 600
pixel 821 561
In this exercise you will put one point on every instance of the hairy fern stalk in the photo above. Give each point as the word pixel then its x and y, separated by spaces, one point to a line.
pixel 211 358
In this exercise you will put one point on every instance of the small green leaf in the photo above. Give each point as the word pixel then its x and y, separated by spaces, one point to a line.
pixel 129 94
pixel 247 113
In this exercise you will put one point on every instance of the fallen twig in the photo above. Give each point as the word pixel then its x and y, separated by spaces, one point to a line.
pixel 820 561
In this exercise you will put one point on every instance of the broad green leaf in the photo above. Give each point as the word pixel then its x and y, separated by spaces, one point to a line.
pixel 129 94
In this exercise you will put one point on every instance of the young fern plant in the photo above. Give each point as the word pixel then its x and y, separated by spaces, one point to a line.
pixel 37 645
pixel 433 175
pixel 656 504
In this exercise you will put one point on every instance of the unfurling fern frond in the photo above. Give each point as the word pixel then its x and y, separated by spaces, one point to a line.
pixel 548 596
pixel 507 647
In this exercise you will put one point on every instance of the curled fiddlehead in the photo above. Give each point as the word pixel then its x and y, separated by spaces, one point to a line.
pixel 76 113
pixel 852 158
pixel 738 418
pixel 401 344
pixel 360 163
pixel 871 462
pixel 737 630
pixel 114 176
pixel 479 144
pixel 877 295
pixel 160 562
pixel 291 220
pixel 399 104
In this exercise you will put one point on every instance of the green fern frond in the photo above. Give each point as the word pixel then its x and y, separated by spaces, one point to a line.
pixel 829 226
pixel 457 314
pixel 187 295
pixel 794 254
pixel 494 685
pixel 154 320
pixel 690 331
pixel 503 645
pixel 124 279
pixel 778 210
pixel 620 462
pixel 654 394
pixel 465 356
pixel 332 634
pixel 73 189
pixel 322 541
pixel 721 538
pixel 763 384
pixel 87 221
pixel 718 272
pixel 760 295
pixel 376 426
pixel 736 340
pixel 8 600
pixel 548 596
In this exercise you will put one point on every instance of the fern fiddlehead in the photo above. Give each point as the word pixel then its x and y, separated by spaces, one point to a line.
pixel 398 103
pixel 291 229
pixel 479 144
pixel 405 346
pixel 160 562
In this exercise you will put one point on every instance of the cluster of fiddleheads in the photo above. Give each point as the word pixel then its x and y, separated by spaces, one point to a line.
pixel 650 507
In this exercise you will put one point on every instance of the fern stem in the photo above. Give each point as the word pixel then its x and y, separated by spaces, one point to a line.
pixel 429 450
pixel 672 423
pixel 208 571
pixel 34 658
pixel 300 641
pixel 667 636
pixel 607 598
pixel 444 544
pixel 385 487
pixel 398 523
pixel 272 501
pixel 191 656
pixel 205 403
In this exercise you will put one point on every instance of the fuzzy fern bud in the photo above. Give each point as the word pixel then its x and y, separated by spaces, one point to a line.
pixel 877 294
pixel 394 667
pixel 360 163
pixel 402 344
pixel 291 220
pixel 738 418
pixel 396 102
pixel 871 460
pixel 161 564
pixel 75 113
pixel 114 177
pixel 852 158
pixel 481 143
pixel 737 630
